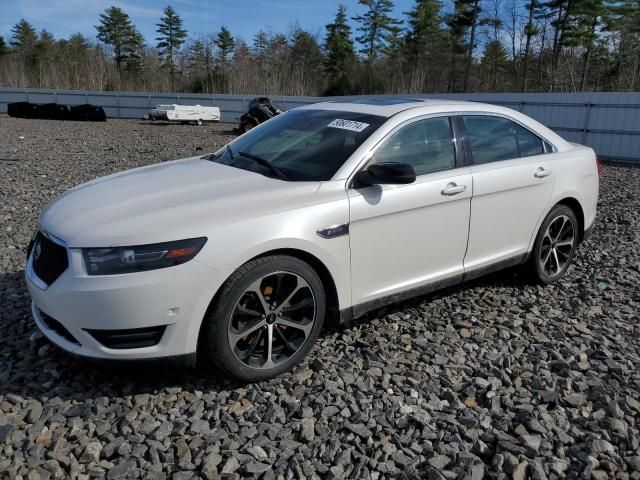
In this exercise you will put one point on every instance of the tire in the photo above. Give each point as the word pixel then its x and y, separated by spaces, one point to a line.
pixel 555 245
pixel 236 328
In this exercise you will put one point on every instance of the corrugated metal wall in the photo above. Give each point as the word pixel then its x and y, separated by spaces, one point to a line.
pixel 607 122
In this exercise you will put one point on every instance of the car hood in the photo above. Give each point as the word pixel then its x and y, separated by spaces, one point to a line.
pixel 168 201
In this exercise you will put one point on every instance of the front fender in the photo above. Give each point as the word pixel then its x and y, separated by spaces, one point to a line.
pixel 230 246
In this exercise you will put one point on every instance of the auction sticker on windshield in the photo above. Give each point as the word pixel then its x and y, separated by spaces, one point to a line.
pixel 348 125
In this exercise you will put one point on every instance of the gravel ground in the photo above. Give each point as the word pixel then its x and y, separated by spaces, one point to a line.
pixel 494 379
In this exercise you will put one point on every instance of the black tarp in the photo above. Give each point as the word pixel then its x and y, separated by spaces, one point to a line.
pixel 88 113
pixel 55 111
pixel 52 111
pixel 21 110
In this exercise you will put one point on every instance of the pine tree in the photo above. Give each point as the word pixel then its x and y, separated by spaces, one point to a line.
pixel 581 31
pixel 77 46
pixel 225 43
pixel 425 43
pixel 558 11
pixel 75 53
pixel 623 18
pixel 494 58
pixel 377 27
pixel 530 31
pixel 43 49
pixel 306 62
pixel 200 65
pixel 474 8
pixel 458 23
pixel 117 31
pixel 340 55
pixel 171 37
pixel 260 43
pixel 495 62
pixel 424 26
pixel 24 38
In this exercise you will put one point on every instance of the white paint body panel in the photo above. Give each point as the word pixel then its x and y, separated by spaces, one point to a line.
pixel 401 237
pixel 508 200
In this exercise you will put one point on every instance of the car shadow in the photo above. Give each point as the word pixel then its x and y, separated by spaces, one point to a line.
pixel 512 277
pixel 32 367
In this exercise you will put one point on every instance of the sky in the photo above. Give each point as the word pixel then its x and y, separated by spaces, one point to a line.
pixel 243 17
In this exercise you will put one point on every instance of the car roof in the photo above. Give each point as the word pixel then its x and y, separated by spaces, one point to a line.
pixel 383 106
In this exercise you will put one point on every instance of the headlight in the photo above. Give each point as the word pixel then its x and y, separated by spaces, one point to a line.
pixel 111 261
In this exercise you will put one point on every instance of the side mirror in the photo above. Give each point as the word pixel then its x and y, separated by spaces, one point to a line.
pixel 386 173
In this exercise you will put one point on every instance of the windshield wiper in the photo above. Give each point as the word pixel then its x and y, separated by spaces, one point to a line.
pixel 265 163
pixel 213 156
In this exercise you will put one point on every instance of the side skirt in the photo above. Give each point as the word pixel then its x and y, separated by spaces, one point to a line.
pixel 361 309
pixel 495 267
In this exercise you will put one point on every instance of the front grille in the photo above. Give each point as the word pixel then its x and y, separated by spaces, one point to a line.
pixel 130 338
pixel 49 259
pixel 56 326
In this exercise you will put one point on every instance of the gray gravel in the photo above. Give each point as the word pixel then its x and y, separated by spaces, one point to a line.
pixel 495 379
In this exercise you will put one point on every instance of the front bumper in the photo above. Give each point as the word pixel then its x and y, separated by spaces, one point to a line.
pixel 175 298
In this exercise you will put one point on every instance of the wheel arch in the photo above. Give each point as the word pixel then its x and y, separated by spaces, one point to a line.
pixel 329 284
pixel 575 205
pixel 569 201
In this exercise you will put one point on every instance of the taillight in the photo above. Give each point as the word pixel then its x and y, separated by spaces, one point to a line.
pixel 599 166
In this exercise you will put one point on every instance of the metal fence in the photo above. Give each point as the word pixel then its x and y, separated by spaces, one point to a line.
pixel 607 122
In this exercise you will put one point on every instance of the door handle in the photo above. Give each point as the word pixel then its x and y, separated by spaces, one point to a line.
pixel 453 189
pixel 541 173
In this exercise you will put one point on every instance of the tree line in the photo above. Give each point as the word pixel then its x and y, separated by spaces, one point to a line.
pixel 477 46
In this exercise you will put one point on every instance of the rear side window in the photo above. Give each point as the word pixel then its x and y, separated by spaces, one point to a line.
pixel 491 138
pixel 426 145
pixel 495 138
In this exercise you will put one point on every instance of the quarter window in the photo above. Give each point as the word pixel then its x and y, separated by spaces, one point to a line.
pixel 427 145
pixel 528 143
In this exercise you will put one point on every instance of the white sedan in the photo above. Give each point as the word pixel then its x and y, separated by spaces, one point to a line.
pixel 327 211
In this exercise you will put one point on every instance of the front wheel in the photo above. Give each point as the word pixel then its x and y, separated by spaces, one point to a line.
pixel 265 318
pixel 555 245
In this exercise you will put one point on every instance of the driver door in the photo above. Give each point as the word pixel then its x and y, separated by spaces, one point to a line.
pixel 406 237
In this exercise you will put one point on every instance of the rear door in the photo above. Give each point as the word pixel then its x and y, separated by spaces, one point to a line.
pixel 512 171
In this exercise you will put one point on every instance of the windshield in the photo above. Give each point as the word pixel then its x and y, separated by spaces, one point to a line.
pixel 301 145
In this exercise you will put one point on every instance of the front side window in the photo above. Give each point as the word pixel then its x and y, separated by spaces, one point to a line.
pixel 427 145
pixel 301 145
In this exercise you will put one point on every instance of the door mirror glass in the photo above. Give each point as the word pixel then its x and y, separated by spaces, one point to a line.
pixel 386 173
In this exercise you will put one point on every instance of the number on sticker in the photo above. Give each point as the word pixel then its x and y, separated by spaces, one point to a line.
pixel 348 125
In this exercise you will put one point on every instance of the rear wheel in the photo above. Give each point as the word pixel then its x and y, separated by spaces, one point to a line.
pixel 265 319
pixel 555 245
